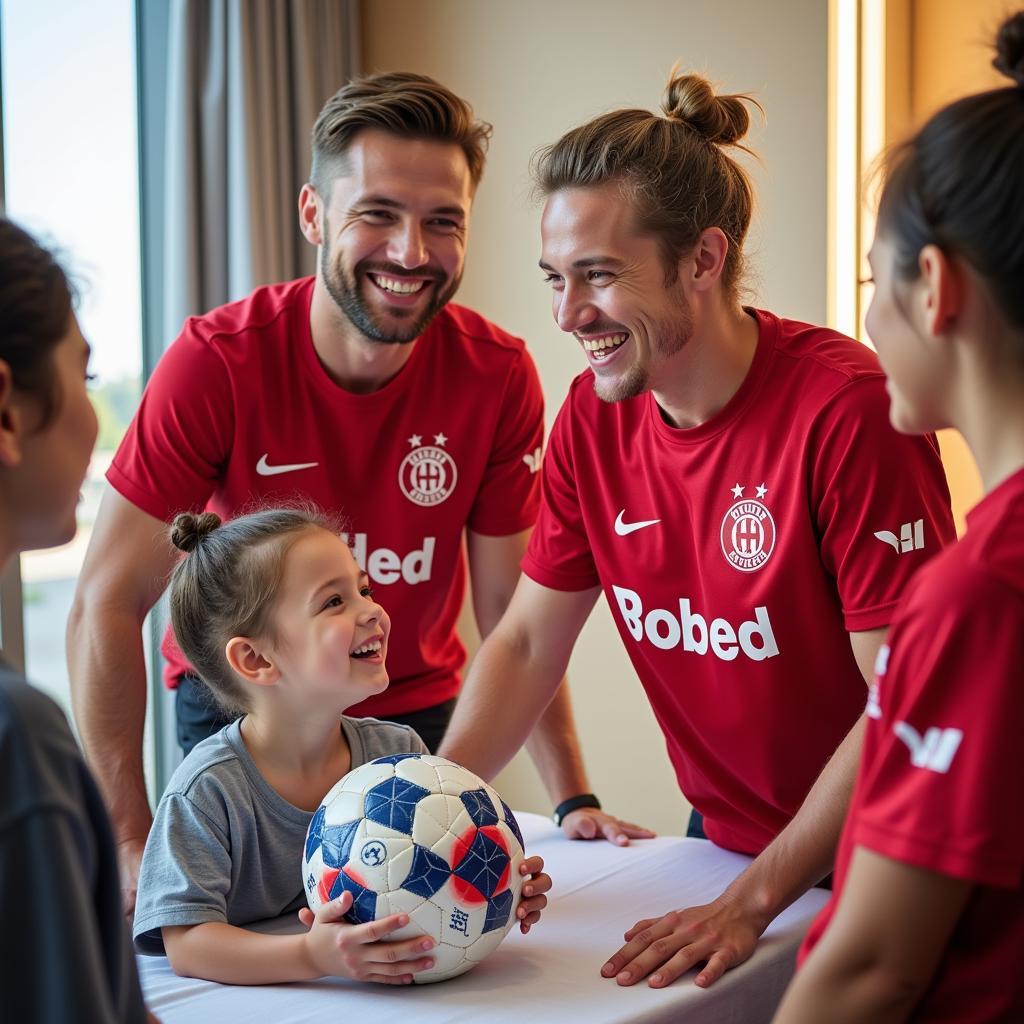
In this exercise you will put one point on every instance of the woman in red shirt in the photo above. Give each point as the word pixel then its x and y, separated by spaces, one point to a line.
pixel 927 918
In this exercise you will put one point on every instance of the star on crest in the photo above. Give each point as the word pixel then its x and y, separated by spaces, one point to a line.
pixel 737 491
pixel 415 441
pixel 440 440
pixel 762 491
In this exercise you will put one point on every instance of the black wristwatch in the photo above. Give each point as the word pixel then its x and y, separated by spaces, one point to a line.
pixel 574 803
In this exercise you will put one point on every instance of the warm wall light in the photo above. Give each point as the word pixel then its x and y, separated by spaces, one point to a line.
pixel 857 101
pixel 843 163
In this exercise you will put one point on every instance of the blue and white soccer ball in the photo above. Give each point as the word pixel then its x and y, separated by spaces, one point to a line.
pixel 418 834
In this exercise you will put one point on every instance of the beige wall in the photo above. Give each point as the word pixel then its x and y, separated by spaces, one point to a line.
pixel 535 69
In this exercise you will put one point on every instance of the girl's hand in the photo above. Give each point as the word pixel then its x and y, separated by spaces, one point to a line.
pixel 534 887
pixel 356 951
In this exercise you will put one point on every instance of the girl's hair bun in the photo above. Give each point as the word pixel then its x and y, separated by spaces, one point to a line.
pixel 1009 58
pixel 691 100
pixel 188 530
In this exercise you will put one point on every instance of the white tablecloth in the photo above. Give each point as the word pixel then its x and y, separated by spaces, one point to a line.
pixel 552 974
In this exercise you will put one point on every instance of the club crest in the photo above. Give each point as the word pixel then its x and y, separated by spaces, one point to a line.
pixel 427 474
pixel 748 531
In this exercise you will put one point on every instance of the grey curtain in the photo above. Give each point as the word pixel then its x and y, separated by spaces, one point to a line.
pixel 228 92
pixel 245 81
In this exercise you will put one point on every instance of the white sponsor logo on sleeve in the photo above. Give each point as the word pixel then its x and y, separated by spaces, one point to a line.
pixel 533 459
pixel 911 537
pixel 934 750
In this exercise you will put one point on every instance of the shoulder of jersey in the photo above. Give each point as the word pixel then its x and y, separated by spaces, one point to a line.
pixel 259 310
pixel 1002 551
pixel 476 328
pixel 826 350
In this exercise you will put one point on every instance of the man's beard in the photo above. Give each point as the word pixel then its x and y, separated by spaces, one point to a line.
pixel 672 338
pixel 343 288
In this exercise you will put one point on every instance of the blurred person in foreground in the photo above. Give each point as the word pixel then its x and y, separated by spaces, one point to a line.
pixel 67 955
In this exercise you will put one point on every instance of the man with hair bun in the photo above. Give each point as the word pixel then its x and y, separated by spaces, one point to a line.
pixel 729 479
pixel 363 389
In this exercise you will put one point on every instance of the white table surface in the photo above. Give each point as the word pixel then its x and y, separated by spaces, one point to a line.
pixel 552 974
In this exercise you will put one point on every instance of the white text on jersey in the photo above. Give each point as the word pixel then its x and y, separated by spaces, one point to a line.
pixel 385 566
pixel 911 537
pixel 693 632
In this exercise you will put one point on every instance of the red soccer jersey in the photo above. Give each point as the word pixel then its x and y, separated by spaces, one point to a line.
pixel 737 556
pixel 240 412
pixel 941 782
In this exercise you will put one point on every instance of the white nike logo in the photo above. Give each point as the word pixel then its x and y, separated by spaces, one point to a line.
pixel 264 469
pixel 623 528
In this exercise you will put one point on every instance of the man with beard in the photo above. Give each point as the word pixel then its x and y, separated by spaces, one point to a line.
pixel 362 390
pixel 729 479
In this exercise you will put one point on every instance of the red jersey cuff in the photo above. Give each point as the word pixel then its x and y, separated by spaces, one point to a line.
pixel 557 580
pixel 971 866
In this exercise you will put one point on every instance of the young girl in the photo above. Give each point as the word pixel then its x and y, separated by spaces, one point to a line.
pixel 276 616
pixel 927 920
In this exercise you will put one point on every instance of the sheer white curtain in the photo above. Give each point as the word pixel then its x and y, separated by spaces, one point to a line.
pixel 245 81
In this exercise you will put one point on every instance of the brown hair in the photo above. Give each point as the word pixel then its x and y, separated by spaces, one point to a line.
pixel 958 183
pixel 404 104
pixel 36 300
pixel 227 584
pixel 672 167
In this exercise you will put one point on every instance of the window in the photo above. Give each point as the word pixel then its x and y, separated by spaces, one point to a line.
pixel 71 178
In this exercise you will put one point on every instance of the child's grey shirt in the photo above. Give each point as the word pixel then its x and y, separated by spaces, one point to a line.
pixel 224 845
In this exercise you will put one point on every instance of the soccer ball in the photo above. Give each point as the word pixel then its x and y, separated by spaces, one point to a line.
pixel 417 834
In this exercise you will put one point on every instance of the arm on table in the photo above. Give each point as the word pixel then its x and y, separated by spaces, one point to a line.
pixel 553 744
pixel 725 932
pixel 333 947
pixel 221 952
pixel 881 949
pixel 124 573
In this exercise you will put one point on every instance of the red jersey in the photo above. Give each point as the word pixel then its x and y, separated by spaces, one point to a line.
pixel 241 412
pixel 941 780
pixel 737 556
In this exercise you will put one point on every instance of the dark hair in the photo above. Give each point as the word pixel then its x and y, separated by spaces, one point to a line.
pixel 227 584
pixel 407 105
pixel 958 183
pixel 36 300
pixel 672 167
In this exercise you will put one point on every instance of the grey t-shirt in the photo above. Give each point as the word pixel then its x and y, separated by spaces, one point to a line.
pixel 66 952
pixel 227 847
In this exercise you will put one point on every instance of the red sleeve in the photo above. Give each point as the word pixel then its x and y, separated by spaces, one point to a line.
pixel 559 555
pixel 943 779
pixel 509 491
pixel 880 499
pixel 177 444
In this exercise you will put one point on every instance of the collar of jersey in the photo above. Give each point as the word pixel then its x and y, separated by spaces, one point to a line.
pixel 767 334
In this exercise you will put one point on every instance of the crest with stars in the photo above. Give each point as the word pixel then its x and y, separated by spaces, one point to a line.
pixel 428 474
pixel 419 835
pixel 748 530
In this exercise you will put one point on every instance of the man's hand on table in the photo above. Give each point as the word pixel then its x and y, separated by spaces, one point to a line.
pixel 535 884
pixel 591 823
pixel 723 933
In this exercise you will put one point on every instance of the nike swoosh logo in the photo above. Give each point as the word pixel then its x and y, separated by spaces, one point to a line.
pixel 264 469
pixel 623 528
